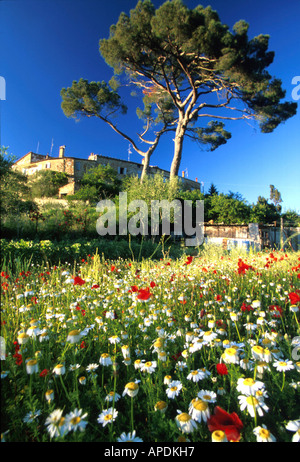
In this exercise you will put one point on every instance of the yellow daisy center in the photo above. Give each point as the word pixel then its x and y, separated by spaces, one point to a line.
pixel 258 349
pixel 230 352
pixel 249 382
pixel 200 405
pixel 161 405
pixel 132 386
pixel 75 420
pixel 61 422
pixel 207 333
pixel 74 332
pixel 264 433
pixel 184 417
pixel 252 401
pixel 218 435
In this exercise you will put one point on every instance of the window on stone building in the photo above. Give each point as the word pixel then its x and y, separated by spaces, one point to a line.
pixel 77 165
pixel 122 170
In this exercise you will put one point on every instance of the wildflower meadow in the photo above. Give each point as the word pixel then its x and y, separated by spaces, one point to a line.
pixel 200 348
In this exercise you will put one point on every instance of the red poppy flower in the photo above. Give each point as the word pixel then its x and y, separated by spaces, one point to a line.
pixel 189 260
pixel 222 369
pixel 19 359
pixel 243 267
pixel 78 281
pixel 144 294
pixel 44 372
pixel 245 307
pixel 228 423
pixel 294 298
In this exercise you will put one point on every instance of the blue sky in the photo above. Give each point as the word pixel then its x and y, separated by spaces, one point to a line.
pixel 46 44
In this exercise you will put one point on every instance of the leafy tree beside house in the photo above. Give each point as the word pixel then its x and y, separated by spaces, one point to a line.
pixel 15 192
pixel 98 183
pixel 46 183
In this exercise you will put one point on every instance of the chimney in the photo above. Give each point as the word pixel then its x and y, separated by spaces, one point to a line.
pixel 93 156
pixel 62 151
pixel 196 180
pixel 182 173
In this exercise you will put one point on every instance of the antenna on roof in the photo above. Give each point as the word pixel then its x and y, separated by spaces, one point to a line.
pixel 129 152
pixel 51 147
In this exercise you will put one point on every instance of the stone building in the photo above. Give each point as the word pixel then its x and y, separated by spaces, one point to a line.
pixel 76 167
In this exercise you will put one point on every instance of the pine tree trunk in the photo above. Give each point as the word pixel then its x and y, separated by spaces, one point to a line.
pixel 178 144
pixel 146 161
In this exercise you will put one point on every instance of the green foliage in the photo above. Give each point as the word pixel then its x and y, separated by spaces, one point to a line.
pixel 275 197
pixel 55 252
pixel 98 183
pixel 222 208
pixel 46 183
pixel 90 98
pixel 263 212
pixel 15 198
pixel 291 217
pixel 212 190
pixel 153 188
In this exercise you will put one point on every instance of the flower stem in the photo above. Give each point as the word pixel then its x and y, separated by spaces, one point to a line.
pixel 64 387
pixel 283 381
pixel 132 424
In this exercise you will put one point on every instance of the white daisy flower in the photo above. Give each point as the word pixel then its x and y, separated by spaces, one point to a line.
pixel 208 396
pixel 253 404
pixel 294 426
pixel 196 375
pixel 248 386
pixel 283 366
pixel 199 410
pixel 105 360
pixel 185 422
pixel 148 366
pixel 263 435
pixel 55 424
pixel 129 438
pixel 174 389
pixel 75 420
pixel 107 416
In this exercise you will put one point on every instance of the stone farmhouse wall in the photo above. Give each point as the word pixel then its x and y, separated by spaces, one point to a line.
pixel 75 168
